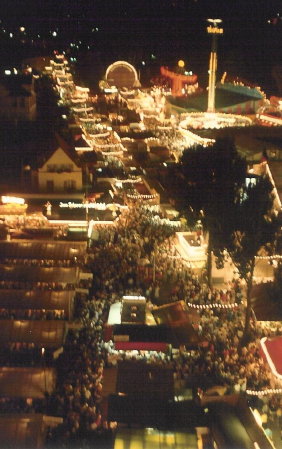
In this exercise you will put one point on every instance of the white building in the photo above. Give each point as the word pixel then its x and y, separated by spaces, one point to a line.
pixel 60 172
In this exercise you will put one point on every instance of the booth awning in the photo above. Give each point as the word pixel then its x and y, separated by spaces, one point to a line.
pixel 271 350
pixel 141 346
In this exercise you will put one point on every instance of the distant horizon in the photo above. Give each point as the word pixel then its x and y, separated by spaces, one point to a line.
pixel 149 34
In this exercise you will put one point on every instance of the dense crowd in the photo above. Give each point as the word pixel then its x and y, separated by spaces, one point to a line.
pixel 137 255
pixel 29 285
pixel 32 314
pixel 40 262
pixel 115 258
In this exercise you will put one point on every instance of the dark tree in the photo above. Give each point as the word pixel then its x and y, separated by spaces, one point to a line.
pixel 213 177
pixel 255 230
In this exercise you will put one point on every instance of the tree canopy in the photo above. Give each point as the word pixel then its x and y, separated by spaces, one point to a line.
pixel 214 176
pixel 237 207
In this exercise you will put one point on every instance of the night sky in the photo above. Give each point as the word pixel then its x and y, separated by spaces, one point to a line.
pixel 155 32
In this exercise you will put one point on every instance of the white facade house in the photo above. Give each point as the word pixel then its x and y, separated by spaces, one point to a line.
pixel 17 98
pixel 60 173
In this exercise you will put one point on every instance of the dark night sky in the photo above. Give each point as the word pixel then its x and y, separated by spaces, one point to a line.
pixel 169 29
pixel 244 13
pixel 236 9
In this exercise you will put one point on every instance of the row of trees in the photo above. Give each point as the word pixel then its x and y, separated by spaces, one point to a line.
pixel 235 208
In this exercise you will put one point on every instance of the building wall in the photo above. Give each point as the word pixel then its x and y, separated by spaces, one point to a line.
pixel 61 171
pixel 17 107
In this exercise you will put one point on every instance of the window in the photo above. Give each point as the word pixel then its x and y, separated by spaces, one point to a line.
pixel 51 168
pixel 69 185
pixel 50 185
pixel 67 167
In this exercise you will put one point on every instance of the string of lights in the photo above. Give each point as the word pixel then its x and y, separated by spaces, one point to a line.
pixel 264 392
pixel 211 306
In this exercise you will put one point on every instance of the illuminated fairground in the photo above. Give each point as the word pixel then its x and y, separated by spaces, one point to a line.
pixel 213 120
pixel 245 98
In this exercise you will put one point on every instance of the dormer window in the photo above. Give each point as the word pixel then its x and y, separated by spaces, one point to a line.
pixel 67 167
pixel 59 168
pixel 51 168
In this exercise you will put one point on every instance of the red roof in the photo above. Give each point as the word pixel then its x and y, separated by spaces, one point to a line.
pixel 271 350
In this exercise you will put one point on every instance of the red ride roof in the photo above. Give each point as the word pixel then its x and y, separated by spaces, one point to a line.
pixel 271 350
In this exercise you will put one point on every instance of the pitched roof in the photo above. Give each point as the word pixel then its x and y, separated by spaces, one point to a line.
pixel 15 85
pixel 51 146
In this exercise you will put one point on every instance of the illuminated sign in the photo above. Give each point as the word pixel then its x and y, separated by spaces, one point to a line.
pixel 214 30
pixel 12 200
pixel 72 205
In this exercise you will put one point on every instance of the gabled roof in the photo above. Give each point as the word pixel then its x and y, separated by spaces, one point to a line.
pixel 266 302
pixel 52 145
pixel 15 85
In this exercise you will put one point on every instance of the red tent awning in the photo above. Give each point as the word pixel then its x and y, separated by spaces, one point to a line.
pixel 141 346
pixel 271 349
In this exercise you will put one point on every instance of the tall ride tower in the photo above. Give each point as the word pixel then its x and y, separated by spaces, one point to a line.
pixel 215 30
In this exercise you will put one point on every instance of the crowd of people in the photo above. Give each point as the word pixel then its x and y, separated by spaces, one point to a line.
pixel 41 262
pixel 136 255
pixel 32 314
pixel 29 285
pixel 135 239
pixel 24 354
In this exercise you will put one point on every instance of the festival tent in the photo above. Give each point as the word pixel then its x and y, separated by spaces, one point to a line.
pixel 181 321
pixel 26 382
pixel 140 378
pixel 155 438
pixel 25 431
pixel 271 349
pixel 143 395
pixel 44 334
pixel 32 274
pixel 42 250
pixel 175 325
pixel 234 426
pixel 266 302
pixel 38 300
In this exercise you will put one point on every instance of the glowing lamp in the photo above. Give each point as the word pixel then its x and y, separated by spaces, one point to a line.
pixel 12 200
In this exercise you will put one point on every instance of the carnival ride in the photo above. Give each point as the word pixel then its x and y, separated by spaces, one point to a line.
pixel 121 74
pixel 270 114
pixel 211 119
pixel 181 83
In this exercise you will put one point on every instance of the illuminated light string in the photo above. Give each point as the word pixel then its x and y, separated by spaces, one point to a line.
pixel 88 119
pixel 109 145
pixel 96 136
pixel 147 197
pixel 90 205
pixel 128 139
pixel 211 306
pixel 12 200
pixel 275 256
pixel 59 71
pixel 195 138
pixel 57 64
pixel 131 92
pixel 79 100
pixel 168 128
pixel 184 258
pixel 83 149
pixel 112 153
pixel 124 181
pixel 264 392
pixel 155 115
pixel 82 89
pixel 82 109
